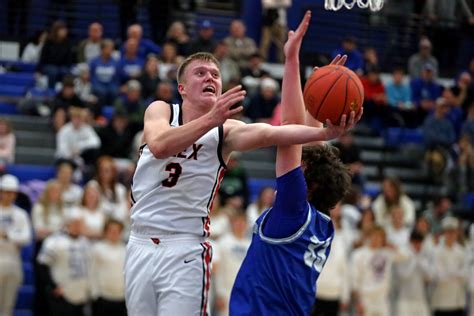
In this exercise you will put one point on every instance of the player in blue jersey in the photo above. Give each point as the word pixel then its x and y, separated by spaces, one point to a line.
pixel 291 241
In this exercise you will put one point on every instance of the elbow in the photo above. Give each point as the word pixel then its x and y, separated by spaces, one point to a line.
pixel 160 150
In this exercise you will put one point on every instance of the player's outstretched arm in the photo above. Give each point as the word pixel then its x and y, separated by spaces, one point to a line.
pixel 165 141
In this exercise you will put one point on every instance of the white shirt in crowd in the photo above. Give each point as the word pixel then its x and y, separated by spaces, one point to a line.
pixel 7 148
pixel 382 215
pixel 334 282
pixel 229 254
pixel 31 53
pixel 117 209
pixel 107 262
pixel 253 212
pixel 94 220
pixel 398 237
pixel 72 195
pixel 220 225
pixel 52 221
pixel 412 276
pixel 71 141
pixel 69 259
pixel 450 278
pixel 15 224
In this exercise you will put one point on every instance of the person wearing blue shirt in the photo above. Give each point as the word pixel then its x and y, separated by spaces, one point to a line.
pixel 425 90
pixel 130 65
pixel 355 61
pixel 399 98
pixel 103 72
pixel 291 241
pixel 145 46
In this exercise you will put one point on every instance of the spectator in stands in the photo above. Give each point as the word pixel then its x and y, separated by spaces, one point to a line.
pixel 397 233
pixel 438 131
pixel 440 209
pixel 253 73
pixel 7 142
pixel 107 281
pixel 130 65
pixel 63 264
pixel 262 104
pixel 450 272
pixel 104 74
pixel 355 61
pixel 48 212
pixel 169 54
pixel 116 137
pixel 399 99
pixel 165 91
pixel 371 59
pixel 333 284
pixel 463 91
pixel 274 27
pixel 375 100
pixel 132 104
pixel 15 232
pixel 461 180
pixel 92 213
pixel 220 219
pixel 145 46
pixel 56 56
pixel 349 153
pixel 150 77
pixel 229 68
pixel 365 226
pixel 83 89
pixel 178 35
pixel 392 195
pixel 77 140
pixel 468 125
pixel 234 186
pixel 241 47
pixel 412 276
pixel 422 227
pixel 71 193
pixel 264 201
pixel 63 101
pixel 113 200
pixel 89 48
pixel 425 90
pixel 230 253
pixel 444 16
pixel 205 41
pixel 32 51
pixel 455 113
pixel 418 61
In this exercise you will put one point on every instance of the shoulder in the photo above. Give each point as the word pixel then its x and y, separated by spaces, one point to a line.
pixel 231 124
pixel 158 108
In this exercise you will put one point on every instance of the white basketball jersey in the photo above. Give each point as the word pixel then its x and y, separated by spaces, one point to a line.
pixel 175 194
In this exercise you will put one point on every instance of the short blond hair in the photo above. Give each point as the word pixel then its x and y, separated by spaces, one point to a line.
pixel 207 57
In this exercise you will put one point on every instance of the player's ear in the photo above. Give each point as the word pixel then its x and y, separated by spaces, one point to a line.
pixel 180 88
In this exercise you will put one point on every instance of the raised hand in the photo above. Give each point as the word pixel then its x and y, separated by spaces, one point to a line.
pixel 293 43
pixel 338 60
pixel 222 108
pixel 334 131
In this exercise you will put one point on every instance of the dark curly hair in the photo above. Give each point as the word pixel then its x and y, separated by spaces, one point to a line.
pixel 328 179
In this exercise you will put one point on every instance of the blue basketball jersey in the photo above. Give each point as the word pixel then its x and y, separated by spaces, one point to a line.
pixel 278 275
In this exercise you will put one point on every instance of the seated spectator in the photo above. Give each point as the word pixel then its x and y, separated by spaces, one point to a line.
pixel 230 70
pixel 15 232
pixel 83 88
pixel 234 187
pixel 375 100
pixel 165 91
pixel 205 41
pixel 71 193
pixel 104 74
pixel 132 104
pixel 77 140
pixel 461 179
pixel 349 153
pixel 32 51
pixel 418 61
pixel 7 143
pixel 397 233
pixel 463 91
pixel 177 34
pixel 355 61
pixel 66 251
pixel 92 213
pixel 253 73
pixel 116 137
pixel 399 98
pixel 365 226
pixel 107 280
pixel 371 59
pixel 455 114
pixel 48 212
pixel 150 77
pixel 264 201
pixel 425 90
pixel 262 104
pixel 89 48
pixel 439 209
pixel 169 54
pixel 63 101
pixel 392 195
pixel 56 55
pixel 145 46
pixel 468 125
pixel 113 200
pixel 130 65
pixel 438 131
pixel 241 47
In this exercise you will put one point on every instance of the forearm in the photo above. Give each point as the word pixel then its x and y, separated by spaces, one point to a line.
pixel 293 110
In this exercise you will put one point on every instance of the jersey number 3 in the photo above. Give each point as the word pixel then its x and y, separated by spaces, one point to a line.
pixel 175 170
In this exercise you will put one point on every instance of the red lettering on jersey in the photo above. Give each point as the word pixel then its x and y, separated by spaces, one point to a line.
pixel 194 154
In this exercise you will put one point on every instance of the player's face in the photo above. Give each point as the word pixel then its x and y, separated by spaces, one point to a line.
pixel 201 83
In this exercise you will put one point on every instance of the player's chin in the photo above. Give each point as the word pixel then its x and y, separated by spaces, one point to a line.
pixel 209 98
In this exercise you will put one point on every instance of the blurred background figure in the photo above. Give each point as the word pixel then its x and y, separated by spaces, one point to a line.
pixel 274 27
pixel 7 143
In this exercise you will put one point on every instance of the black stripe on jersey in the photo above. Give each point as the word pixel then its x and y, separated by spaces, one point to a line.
pixel 180 115
pixel 219 146
pixel 203 293
pixel 172 113
pixel 131 196
pixel 213 191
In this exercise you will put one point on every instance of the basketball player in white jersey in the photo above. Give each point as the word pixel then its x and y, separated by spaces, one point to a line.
pixel 183 159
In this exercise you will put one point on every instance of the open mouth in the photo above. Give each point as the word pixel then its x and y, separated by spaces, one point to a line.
pixel 209 89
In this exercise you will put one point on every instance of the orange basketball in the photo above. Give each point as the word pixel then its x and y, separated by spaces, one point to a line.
pixel 332 91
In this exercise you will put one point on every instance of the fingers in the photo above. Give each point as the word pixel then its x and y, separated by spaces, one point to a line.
pixel 235 111
pixel 301 30
pixel 235 91
pixel 359 115
pixel 343 121
pixel 335 60
pixel 342 60
pixel 351 120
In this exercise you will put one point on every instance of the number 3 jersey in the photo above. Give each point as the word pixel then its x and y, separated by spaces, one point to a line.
pixel 174 195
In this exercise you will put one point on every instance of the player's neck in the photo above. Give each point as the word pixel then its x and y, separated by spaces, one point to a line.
pixel 191 112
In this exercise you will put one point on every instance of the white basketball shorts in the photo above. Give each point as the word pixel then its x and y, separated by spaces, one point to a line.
pixel 167 275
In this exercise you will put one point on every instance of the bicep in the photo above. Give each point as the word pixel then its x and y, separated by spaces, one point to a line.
pixel 156 120
pixel 240 136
